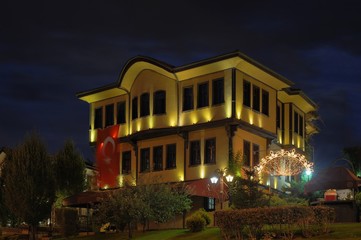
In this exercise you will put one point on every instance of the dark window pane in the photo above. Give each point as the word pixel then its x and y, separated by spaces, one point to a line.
pixel 210 151
pixel 265 102
pixel 159 102
pixel 135 108
pixel 187 98
pixel 121 113
pixel 109 115
pixel 256 98
pixel 295 122
pixel 126 162
pixel 218 91
pixel 195 153
pixel 255 154
pixel 171 156
pixel 246 93
pixel 247 153
pixel 301 126
pixel 278 116
pixel 209 204
pixel 158 158
pixel 98 118
pixel 144 104
pixel 144 159
pixel 202 97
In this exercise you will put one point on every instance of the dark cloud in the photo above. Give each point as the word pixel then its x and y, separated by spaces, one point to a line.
pixel 50 50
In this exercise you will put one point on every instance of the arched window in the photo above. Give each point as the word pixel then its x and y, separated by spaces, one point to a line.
pixel 159 106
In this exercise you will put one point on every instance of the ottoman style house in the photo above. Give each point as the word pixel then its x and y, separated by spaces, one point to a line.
pixel 181 124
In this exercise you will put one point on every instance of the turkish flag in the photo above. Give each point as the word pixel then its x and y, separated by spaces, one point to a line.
pixel 107 157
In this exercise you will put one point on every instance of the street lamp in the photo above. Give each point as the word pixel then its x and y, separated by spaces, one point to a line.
pixel 221 175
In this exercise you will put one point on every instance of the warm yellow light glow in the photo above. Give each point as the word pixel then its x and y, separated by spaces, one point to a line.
pixel 138 126
pixel 92 135
pixel 106 186
pixel 172 122
pixel 151 122
pixel 121 181
pixel 201 172
pixel 181 177
pixel 239 115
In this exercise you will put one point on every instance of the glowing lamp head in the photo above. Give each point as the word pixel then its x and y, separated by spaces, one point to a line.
pixel 308 172
pixel 214 180
pixel 229 178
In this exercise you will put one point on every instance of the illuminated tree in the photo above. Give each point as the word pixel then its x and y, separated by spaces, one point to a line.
pixel 29 182
pixel 69 170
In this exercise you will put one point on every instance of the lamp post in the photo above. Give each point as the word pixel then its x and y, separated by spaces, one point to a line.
pixel 221 175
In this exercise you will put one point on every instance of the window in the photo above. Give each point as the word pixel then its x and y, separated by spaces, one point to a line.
pixel 187 98
pixel 195 153
pixel 159 102
pixel 171 156
pixel 109 115
pixel 144 104
pixel 98 118
pixel 255 155
pixel 256 98
pixel 135 108
pixel 246 93
pixel 209 204
pixel 295 122
pixel 301 126
pixel 144 159
pixel 217 91
pixel 210 151
pixel 298 124
pixel 265 102
pixel 202 97
pixel 158 158
pixel 121 112
pixel 278 117
pixel 126 162
pixel 247 153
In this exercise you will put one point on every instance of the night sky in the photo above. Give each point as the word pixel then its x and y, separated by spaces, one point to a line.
pixel 51 50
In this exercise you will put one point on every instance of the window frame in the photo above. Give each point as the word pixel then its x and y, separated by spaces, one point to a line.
pixel 195 153
pixel 210 155
pixel 121 112
pixel 98 118
pixel 145 160
pixel 144 104
pixel 158 159
pixel 256 98
pixel 247 86
pixel 159 102
pixel 188 98
pixel 203 95
pixel 109 115
pixel 126 162
pixel 247 153
pixel 171 157
pixel 217 96
pixel 265 102
pixel 135 107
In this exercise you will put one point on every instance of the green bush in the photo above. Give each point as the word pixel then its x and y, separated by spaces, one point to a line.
pixel 204 214
pixel 283 221
pixel 195 223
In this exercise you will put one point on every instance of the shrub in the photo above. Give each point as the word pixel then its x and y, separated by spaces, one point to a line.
pixel 201 212
pixel 324 216
pixel 195 223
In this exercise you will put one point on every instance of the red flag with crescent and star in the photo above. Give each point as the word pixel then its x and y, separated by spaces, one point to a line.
pixel 107 157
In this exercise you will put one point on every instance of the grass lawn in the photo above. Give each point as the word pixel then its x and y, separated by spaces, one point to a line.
pixel 344 231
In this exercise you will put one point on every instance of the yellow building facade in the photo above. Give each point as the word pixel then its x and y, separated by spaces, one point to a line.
pixel 179 124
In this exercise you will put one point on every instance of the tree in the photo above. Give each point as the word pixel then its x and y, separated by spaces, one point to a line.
pixel 353 154
pixel 143 203
pixel 69 169
pixel 29 182
pixel 245 192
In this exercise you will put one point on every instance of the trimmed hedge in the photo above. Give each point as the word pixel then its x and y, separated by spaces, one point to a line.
pixel 281 221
